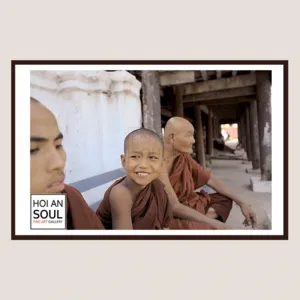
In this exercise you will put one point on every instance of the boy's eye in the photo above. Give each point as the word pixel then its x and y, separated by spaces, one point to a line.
pixel 33 151
pixel 59 146
pixel 134 156
pixel 153 157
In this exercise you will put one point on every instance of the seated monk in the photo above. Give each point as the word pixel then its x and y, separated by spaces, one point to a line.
pixel 183 175
pixel 138 200
pixel 47 163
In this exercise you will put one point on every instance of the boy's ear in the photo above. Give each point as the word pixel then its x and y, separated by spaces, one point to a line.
pixel 123 160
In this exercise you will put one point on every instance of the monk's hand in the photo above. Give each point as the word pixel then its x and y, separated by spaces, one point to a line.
pixel 249 214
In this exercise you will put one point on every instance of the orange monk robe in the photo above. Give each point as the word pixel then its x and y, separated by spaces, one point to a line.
pixel 186 176
pixel 79 214
pixel 151 209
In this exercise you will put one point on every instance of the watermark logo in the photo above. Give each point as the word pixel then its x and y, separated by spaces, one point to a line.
pixel 48 211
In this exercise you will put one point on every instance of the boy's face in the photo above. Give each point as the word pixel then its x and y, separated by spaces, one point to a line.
pixel 143 159
pixel 47 157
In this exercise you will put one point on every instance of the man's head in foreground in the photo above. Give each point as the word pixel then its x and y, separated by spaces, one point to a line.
pixel 143 156
pixel 47 156
pixel 179 135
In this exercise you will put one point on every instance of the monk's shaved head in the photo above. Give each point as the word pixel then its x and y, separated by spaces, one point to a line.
pixel 142 132
pixel 176 124
pixel 179 135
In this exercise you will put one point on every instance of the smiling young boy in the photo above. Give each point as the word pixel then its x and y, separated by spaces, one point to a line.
pixel 138 200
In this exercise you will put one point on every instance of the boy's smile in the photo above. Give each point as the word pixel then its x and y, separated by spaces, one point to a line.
pixel 143 159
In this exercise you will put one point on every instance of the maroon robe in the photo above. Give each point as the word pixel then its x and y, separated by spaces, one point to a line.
pixel 151 209
pixel 186 176
pixel 79 214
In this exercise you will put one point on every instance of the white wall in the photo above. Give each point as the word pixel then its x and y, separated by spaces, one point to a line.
pixel 95 111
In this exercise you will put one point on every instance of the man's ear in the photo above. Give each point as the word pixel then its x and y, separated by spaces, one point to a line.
pixel 171 138
pixel 123 160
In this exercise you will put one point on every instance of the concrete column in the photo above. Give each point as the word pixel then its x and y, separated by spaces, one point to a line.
pixel 200 151
pixel 263 92
pixel 254 135
pixel 151 101
pixel 248 134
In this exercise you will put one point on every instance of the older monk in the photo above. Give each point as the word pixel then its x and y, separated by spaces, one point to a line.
pixel 182 175
pixel 47 163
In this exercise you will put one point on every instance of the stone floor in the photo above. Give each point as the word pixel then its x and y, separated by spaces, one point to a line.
pixel 233 174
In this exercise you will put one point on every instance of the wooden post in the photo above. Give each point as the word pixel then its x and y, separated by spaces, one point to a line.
pixel 254 135
pixel 248 134
pixel 210 133
pixel 178 104
pixel 200 152
pixel 216 127
pixel 151 101
pixel 243 132
pixel 240 131
pixel 263 90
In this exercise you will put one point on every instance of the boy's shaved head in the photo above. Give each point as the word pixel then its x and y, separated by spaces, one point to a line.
pixel 143 132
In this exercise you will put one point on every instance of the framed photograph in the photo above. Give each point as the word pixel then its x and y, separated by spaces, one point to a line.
pixel 196 147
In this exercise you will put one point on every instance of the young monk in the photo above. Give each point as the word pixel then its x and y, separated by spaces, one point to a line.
pixel 182 175
pixel 47 163
pixel 138 200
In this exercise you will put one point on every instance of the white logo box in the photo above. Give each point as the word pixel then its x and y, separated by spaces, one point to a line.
pixel 48 211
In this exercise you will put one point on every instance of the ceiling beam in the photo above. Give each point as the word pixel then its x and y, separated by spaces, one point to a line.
pixel 220 84
pixel 226 113
pixel 176 77
pixel 230 101
pixel 221 94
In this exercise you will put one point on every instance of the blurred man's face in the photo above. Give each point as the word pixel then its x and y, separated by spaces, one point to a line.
pixel 47 156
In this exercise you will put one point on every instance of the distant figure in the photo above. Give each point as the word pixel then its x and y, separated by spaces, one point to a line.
pixel 219 142
pixel 225 134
